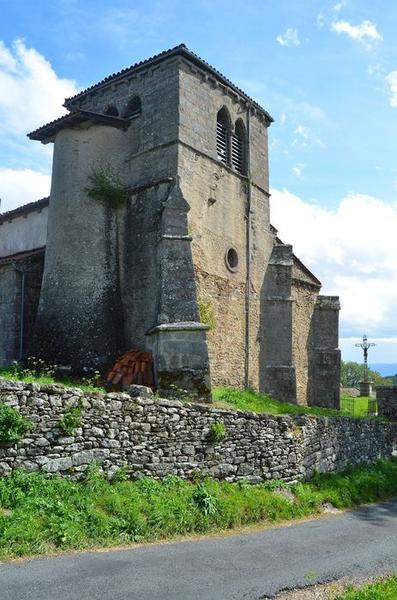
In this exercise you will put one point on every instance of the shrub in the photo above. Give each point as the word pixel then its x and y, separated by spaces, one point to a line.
pixel 205 501
pixel 13 426
pixel 217 431
pixel 71 419
pixel 105 184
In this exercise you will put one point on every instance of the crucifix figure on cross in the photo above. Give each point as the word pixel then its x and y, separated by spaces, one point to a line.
pixel 365 345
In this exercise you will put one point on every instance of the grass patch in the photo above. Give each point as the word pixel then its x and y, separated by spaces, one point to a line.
pixel 381 590
pixel 357 407
pixel 250 400
pixel 40 514
pixel 223 396
pixel 28 376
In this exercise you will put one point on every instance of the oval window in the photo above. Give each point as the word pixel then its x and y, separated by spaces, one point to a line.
pixel 231 259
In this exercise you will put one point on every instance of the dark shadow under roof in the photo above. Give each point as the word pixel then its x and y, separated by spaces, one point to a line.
pixel 181 50
pixel 22 255
pixel 47 132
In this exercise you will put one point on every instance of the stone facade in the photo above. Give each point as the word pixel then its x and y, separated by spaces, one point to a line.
pixel 22 243
pixel 19 297
pixel 386 397
pixel 158 437
pixel 125 278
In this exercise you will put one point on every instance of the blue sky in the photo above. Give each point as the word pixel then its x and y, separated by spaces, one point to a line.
pixel 326 71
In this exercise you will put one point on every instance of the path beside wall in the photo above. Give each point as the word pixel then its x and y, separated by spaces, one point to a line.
pixel 157 437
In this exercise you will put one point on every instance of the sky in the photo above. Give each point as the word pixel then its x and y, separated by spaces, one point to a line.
pixel 325 70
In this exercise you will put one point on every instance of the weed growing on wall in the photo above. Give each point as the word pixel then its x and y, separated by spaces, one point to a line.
pixel 71 419
pixel 207 315
pixel 13 426
pixel 217 431
pixel 106 185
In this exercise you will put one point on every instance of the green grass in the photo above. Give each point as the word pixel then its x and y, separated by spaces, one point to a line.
pixel 223 396
pixel 360 405
pixel 40 514
pixel 28 376
pixel 381 590
pixel 250 400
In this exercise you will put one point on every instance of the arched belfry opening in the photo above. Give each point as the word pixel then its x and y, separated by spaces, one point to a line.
pixel 133 108
pixel 112 110
pixel 223 127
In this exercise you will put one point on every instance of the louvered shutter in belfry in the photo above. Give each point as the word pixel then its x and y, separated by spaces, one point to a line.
pixel 237 153
pixel 221 142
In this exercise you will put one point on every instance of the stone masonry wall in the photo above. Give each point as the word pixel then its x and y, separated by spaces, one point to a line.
pixel 10 305
pixel 157 437
pixel 386 397
pixel 9 319
pixel 304 299
pixel 217 196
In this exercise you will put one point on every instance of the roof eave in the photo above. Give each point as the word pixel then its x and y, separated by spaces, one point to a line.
pixel 20 211
pixel 180 50
pixel 47 133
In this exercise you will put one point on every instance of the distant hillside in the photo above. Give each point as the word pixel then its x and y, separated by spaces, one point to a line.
pixel 384 369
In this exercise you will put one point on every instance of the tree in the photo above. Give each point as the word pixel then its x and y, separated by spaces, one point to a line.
pixel 352 373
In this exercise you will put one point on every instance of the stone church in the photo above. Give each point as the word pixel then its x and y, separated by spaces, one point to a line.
pixel 187 265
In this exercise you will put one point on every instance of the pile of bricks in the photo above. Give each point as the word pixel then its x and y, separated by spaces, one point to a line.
pixel 134 367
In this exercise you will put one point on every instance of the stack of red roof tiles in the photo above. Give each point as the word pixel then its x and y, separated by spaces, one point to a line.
pixel 134 367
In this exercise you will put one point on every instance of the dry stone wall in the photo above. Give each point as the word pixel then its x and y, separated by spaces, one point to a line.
pixel 158 437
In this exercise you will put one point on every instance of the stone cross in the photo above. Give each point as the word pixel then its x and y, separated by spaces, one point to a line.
pixel 365 385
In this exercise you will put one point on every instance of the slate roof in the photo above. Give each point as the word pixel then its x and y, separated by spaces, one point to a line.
pixel 181 50
pixel 47 132
pixel 24 210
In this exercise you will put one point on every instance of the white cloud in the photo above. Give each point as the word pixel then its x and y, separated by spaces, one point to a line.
pixel 385 350
pixel 7 61
pixel 302 131
pixel 324 17
pixel 274 143
pixel 19 187
pixel 31 93
pixel 352 250
pixel 304 138
pixel 289 38
pixel 375 340
pixel 375 69
pixel 297 170
pixel 391 80
pixel 339 5
pixel 365 32
pixel 320 20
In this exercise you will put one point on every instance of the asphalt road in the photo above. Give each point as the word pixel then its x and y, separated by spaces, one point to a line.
pixel 245 567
